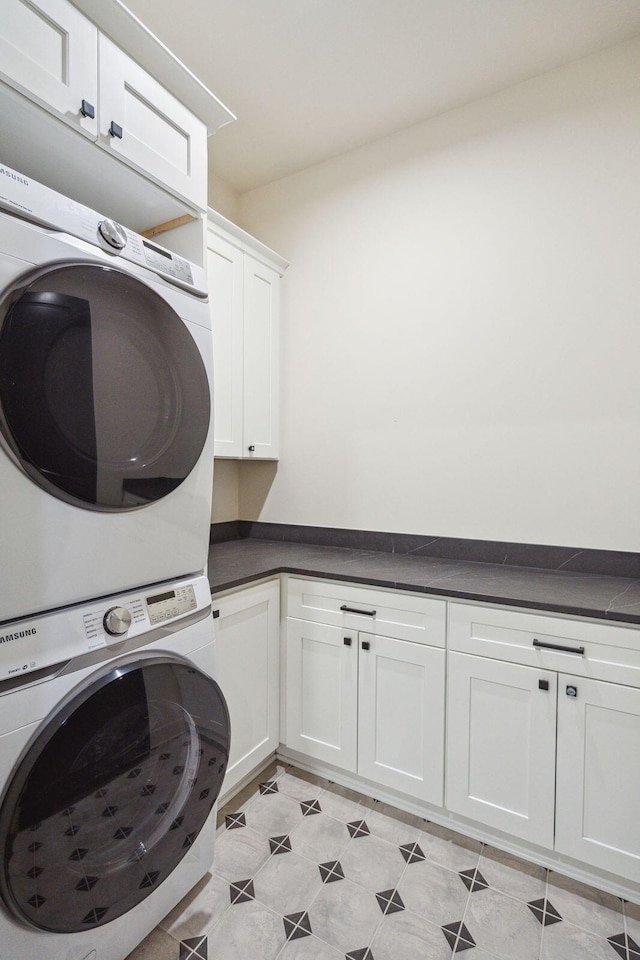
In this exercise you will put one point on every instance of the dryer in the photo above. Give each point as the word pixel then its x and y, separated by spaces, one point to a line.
pixel 111 760
pixel 106 447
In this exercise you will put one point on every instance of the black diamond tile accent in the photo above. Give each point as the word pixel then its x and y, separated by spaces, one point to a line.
pixel 188 840
pixel 309 807
pixel 134 773
pixel 149 879
pixel 109 811
pixel 34 847
pixel 241 891
pixel 205 793
pixel 86 884
pixel 412 852
pixel 297 925
pixel 176 823
pixel 71 831
pixel 451 931
pixel 551 915
pixel 99 794
pixel 194 949
pixel 95 915
pixel 162 808
pixel 331 871
pixel 212 761
pixel 537 909
pixel 389 901
pixel 178 770
pixel 78 854
pixel 280 844
pixel 148 790
pixel 164 756
pixel 35 872
pixel 473 880
pixel 235 820
pixel 269 786
pixel 67 812
pixel 122 833
pixel 36 900
pixel 363 954
pixel 358 828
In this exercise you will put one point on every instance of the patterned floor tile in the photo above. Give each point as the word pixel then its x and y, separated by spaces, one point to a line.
pixel 405 936
pixel 301 785
pixel 344 804
pixel 241 891
pixel 394 825
pixel 331 871
pixel 449 849
pixel 434 893
pixel 345 915
pixel 273 813
pixel 195 948
pixel 320 838
pixel 373 863
pixel 288 884
pixel 503 926
pixel 240 853
pixel 255 932
pixel 412 852
pixel 508 874
pixel 599 913
pixel 309 948
pixel 563 941
pixel 309 807
pixel 389 901
pixel 297 925
pixel 280 844
pixel 358 828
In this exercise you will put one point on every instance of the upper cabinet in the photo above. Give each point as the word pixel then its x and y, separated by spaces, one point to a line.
pixel 146 126
pixel 92 68
pixel 244 293
pixel 49 52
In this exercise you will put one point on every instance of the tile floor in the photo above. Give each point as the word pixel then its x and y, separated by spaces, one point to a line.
pixel 306 870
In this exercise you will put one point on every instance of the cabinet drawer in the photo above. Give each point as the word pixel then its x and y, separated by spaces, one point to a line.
pixel 599 650
pixel 380 612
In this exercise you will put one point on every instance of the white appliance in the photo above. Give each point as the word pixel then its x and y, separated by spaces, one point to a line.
pixel 111 760
pixel 106 446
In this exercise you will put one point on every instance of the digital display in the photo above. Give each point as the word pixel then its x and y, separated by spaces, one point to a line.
pixel 150 246
pixel 159 597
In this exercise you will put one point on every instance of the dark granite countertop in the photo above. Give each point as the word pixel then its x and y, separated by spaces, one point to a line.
pixel 616 599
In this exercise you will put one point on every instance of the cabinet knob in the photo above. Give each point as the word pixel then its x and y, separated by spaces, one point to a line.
pixel 347 641
pixel 543 684
pixel 115 130
pixel 365 644
pixel 251 448
pixel 87 109
pixel 572 691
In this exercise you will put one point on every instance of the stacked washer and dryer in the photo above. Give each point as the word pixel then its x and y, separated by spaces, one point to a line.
pixel 114 735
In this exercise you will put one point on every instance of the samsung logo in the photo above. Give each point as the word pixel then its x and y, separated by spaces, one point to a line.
pixel 14 176
pixel 18 635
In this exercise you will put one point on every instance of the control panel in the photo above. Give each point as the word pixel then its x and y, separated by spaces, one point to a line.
pixel 27 645
pixel 36 202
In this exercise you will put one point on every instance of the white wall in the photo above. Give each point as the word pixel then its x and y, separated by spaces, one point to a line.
pixel 221 195
pixel 461 329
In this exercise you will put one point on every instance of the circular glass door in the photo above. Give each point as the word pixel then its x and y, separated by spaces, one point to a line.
pixel 104 398
pixel 112 793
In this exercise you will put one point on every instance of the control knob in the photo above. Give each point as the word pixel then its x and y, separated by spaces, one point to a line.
pixel 113 234
pixel 117 621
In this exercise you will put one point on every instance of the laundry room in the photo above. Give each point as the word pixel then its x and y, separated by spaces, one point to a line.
pixel 320 549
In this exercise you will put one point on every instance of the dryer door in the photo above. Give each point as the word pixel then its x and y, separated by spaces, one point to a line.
pixel 104 397
pixel 112 793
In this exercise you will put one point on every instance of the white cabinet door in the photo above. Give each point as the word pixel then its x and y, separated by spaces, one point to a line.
pixel 49 52
pixel 225 276
pixel 322 692
pixel 598 777
pixel 501 731
pixel 261 362
pixel 247 670
pixel 144 124
pixel 401 716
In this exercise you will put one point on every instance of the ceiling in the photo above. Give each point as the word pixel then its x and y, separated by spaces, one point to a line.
pixel 310 79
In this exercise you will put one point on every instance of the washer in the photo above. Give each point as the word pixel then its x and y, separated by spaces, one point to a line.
pixel 110 764
pixel 106 446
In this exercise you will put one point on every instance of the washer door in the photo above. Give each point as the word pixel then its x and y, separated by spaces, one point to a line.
pixel 112 793
pixel 104 398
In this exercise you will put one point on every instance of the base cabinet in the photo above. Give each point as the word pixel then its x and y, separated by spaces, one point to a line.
pixel 598 779
pixel 369 704
pixel 501 746
pixel 247 668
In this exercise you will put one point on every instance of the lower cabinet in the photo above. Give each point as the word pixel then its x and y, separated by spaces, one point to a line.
pixel 501 746
pixel 369 704
pixel 247 670
pixel 547 756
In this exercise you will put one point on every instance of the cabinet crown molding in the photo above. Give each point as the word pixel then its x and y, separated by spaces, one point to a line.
pixel 245 242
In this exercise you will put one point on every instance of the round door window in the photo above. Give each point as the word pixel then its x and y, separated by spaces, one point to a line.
pixel 112 793
pixel 104 398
